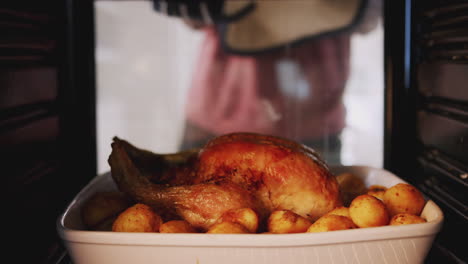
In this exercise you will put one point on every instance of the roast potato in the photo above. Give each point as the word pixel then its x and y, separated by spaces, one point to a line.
pixel 331 222
pixel 137 218
pixel 286 221
pixel 227 228
pixel 176 226
pixel 342 210
pixel 368 211
pixel 102 207
pixel 404 198
pixel 377 191
pixel 105 225
pixel 406 219
pixel 351 186
pixel 244 216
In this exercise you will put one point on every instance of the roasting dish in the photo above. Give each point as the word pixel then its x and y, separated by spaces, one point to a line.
pixel 387 244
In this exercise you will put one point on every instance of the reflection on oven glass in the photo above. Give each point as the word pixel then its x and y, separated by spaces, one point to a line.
pixel 167 84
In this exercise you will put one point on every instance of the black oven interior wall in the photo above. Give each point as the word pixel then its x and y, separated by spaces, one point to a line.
pixel 47 119
pixel 426 126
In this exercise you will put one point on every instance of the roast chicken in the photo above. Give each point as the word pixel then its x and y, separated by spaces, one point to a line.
pixel 239 170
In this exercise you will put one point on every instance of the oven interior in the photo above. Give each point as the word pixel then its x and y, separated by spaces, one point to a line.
pixel 49 114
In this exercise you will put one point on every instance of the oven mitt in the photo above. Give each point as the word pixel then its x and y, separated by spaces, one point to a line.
pixel 277 24
pixel 249 27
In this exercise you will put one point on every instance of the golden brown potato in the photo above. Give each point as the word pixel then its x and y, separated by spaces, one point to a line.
pixel 331 222
pixel 377 191
pixel 351 186
pixel 105 225
pixel 342 210
pixel 368 211
pixel 286 221
pixel 406 219
pixel 137 218
pixel 404 198
pixel 176 226
pixel 101 207
pixel 244 216
pixel 227 228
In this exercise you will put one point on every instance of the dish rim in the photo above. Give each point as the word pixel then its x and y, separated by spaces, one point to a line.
pixel 429 228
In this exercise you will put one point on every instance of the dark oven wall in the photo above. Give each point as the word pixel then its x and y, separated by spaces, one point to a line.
pixel 47 119
pixel 427 110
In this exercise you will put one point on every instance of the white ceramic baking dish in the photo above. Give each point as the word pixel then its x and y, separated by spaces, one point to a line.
pixel 388 244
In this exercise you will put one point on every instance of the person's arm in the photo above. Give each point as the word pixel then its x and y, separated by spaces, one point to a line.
pixel 325 65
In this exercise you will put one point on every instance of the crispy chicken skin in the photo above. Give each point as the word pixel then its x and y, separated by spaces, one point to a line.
pixel 232 171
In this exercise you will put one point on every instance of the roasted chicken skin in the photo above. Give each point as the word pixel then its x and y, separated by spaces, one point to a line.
pixel 232 171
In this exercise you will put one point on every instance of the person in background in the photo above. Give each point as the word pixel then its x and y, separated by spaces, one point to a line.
pixel 294 92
